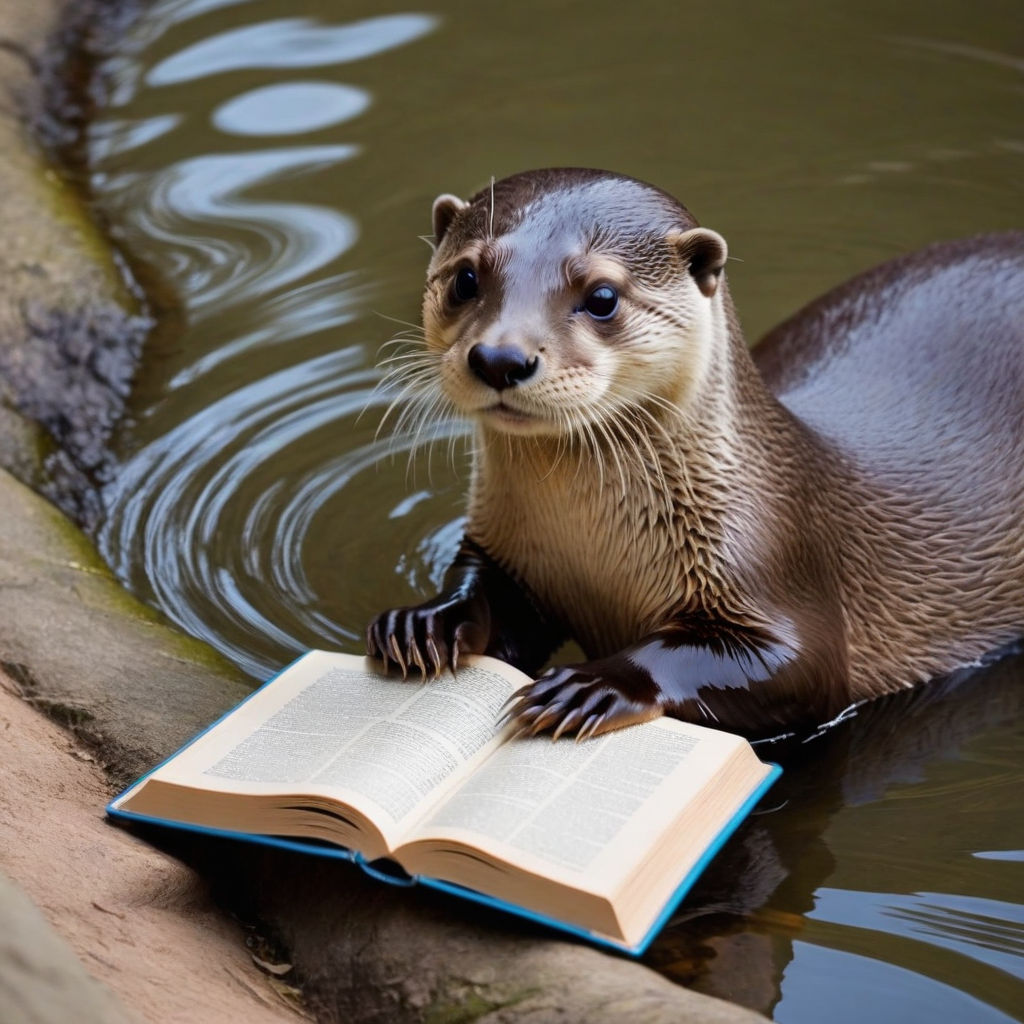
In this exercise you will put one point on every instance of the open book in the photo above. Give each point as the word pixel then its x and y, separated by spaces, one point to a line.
pixel 601 837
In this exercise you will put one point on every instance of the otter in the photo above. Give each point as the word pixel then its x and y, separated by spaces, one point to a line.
pixel 749 540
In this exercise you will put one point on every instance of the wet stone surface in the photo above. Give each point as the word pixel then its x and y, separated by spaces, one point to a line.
pixel 72 375
pixel 71 329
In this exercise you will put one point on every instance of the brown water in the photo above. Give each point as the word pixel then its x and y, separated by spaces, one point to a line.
pixel 268 168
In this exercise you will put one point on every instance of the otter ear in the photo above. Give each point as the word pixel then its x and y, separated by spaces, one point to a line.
pixel 704 251
pixel 445 208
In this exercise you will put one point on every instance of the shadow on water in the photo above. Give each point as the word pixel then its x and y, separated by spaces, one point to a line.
pixel 267 168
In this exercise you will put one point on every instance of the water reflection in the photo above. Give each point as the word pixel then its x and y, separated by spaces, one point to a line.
pixel 285 241
pixel 206 480
pixel 990 932
pixel 293 108
pixel 289 43
pixel 227 490
pixel 857 988
pixel 975 53
pixel 320 305
pixel 865 877
pixel 113 137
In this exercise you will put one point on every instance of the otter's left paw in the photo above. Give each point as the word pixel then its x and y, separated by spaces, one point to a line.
pixel 582 700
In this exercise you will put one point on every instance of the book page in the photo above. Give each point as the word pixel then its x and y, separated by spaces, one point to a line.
pixel 351 733
pixel 562 808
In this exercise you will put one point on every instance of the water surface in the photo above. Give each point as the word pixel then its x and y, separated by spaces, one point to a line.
pixel 268 168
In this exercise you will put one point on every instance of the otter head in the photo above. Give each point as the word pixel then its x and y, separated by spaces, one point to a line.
pixel 560 299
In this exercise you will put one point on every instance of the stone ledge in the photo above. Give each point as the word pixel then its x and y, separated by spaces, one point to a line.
pixel 140 921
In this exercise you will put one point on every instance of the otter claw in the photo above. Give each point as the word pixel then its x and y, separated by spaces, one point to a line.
pixel 379 649
pixel 416 658
pixel 545 717
pixel 567 723
pixel 397 655
pixel 511 709
pixel 590 727
pixel 434 656
pixel 517 700
pixel 505 718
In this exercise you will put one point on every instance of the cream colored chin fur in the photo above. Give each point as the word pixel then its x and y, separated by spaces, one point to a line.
pixel 594 532
pixel 616 524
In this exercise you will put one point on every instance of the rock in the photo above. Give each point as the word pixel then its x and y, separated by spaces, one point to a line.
pixel 41 979
pixel 89 655
pixel 141 922
pixel 70 330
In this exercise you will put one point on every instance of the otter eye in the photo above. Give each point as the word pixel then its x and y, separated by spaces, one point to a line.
pixel 602 302
pixel 465 285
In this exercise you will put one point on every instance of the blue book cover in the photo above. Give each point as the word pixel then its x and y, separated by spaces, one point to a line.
pixel 333 759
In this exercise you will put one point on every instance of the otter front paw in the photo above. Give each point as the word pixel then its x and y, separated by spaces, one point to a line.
pixel 583 700
pixel 429 636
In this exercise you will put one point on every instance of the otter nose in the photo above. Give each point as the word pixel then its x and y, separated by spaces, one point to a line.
pixel 501 366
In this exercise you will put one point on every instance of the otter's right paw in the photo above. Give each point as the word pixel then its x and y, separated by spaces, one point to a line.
pixel 429 636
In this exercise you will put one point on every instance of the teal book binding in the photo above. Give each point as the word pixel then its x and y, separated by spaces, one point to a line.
pixel 388 871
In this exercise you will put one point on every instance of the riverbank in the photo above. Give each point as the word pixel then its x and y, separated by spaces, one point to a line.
pixel 139 922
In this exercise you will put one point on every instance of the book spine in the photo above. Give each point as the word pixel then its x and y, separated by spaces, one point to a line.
pixel 384 869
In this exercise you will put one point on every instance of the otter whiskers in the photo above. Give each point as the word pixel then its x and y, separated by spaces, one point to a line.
pixel 424 415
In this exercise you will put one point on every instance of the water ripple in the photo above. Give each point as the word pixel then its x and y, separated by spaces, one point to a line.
pixel 986 930
pixel 114 136
pixel 248 464
pixel 289 43
pixel 321 304
pixel 188 495
pixel 288 240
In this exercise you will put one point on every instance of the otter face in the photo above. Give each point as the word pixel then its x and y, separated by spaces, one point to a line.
pixel 558 300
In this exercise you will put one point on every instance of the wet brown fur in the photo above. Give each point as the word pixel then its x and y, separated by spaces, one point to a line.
pixel 834 517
